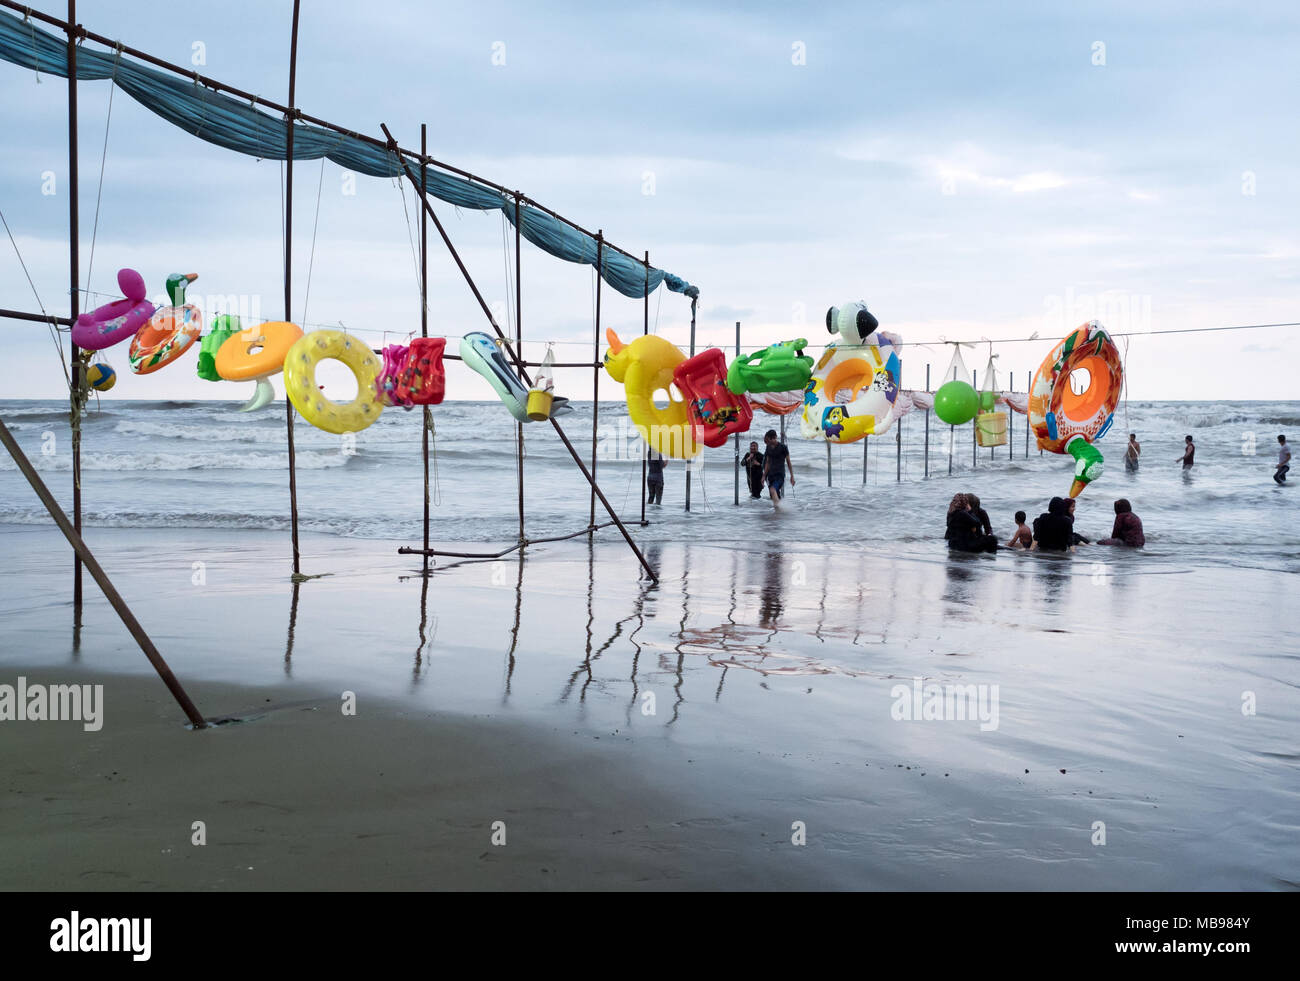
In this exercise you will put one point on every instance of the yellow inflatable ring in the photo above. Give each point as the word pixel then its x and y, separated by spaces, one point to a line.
pixel 645 366
pixel 305 394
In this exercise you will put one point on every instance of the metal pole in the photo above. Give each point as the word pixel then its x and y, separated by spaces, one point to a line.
pixel 426 414
pixel 288 278
pixel 510 353
pixel 828 463
pixel 519 342
pixel 688 462
pixel 1028 395
pixel 98 574
pixel 898 441
pixel 74 297
pixel 866 440
pixel 927 426
pixel 1011 383
pixel 645 329
pixel 737 435
pixel 974 444
pixel 595 372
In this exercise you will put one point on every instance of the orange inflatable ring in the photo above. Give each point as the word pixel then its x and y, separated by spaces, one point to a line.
pixel 256 352
pixel 168 334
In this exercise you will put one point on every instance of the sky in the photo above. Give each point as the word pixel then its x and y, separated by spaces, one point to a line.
pixel 971 172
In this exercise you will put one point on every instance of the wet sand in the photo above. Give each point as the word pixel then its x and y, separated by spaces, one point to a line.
pixel 517 692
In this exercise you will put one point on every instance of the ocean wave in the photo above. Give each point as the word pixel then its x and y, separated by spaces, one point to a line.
pixel 183 461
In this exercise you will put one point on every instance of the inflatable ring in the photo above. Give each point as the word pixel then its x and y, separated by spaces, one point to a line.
pixel 870 373
pixel 305 394
pixel 107 325
pixel 168 334
pixel 255 354
pixel 644 367
pixel 1069 421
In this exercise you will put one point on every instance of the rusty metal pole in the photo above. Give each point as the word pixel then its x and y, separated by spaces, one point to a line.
pixel 288 280
pixel 426 415
pixel 688 423
pixel 595 372
pixel 510 353
pixel 97 573
pixel 519 342
pixel 927 426
pixel 736 437
pixel 645 329
pixel 74 296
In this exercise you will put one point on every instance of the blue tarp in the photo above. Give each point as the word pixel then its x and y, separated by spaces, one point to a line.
pixel 237 125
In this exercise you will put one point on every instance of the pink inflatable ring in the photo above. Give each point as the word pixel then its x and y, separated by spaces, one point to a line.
pixel 116 321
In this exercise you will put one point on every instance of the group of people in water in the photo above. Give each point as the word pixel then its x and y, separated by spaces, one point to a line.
pixel 970 530
pixel 762 469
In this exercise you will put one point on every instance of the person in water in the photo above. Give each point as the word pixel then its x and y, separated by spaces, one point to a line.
pixel 654 478
pixel 777 455
pixel 1054 528
pixel 753 464
pixel 1189 453
pixel 1283 461
pixel 1077 538
pixel 1023 537
pixel 1131 453
pixel 980 514
pixel 1128 527
pixel 964 532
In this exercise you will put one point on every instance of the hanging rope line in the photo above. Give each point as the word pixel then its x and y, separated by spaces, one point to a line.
pixel 103 159
pixel 311 260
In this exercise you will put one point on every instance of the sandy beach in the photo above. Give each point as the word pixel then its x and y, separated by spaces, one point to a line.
pixel 639 736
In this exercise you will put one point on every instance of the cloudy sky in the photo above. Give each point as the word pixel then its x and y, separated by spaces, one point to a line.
pixel 971 171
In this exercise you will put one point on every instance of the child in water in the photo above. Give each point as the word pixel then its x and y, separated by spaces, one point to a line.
pixel 1023 537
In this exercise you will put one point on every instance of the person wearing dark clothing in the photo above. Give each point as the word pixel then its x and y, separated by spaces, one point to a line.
pixel 1189 453
pixel 753 464
pixel 964 532
pixel 1128 527
pixel 1054 529
pixel 775 462
pixel 654 478
pixel 1078 539
pixel 981 515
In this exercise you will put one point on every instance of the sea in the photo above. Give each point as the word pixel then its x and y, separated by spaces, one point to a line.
pixel 206 465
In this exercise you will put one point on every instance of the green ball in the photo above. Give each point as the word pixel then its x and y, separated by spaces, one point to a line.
pixel 988 401
pixel 956 402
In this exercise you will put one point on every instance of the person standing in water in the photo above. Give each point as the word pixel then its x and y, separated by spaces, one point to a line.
pixel 777 455
pixel 654 478
pixel 1131 453
pixel 1189 454
pixel 1283 461
pixel 753 464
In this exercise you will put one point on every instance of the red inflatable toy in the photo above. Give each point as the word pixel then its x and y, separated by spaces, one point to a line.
pixel 422 380
pixel 713 409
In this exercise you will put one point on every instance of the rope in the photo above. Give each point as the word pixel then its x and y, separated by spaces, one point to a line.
pixel 400 184
pixel 103 159
pixel 311 261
